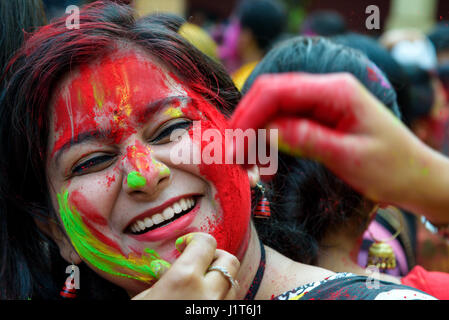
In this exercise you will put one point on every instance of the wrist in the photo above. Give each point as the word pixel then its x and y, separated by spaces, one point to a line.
pixel 425 192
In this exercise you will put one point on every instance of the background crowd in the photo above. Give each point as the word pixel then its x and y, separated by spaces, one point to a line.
pixel 413 53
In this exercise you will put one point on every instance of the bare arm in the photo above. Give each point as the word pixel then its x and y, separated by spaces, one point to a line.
pixel 334 119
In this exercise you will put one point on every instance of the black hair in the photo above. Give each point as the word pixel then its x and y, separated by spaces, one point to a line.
pixel 31 266
pixel 17 18
pixel 413 85
pixel 421 94
pixel 265 18
pixel 308 201
pixel 443 75
pixel 439 36
pixel 384 60
pixel 324 23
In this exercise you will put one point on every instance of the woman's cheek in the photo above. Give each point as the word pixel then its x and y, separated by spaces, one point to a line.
pixel 234 198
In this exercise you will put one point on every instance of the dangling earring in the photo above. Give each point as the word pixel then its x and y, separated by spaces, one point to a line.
pixel 70 284
pixel 262 208
pixel 381 254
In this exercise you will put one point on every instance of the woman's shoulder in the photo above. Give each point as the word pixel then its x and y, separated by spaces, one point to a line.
pixel 348 286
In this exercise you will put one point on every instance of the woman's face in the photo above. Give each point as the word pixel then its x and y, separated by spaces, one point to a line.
pixel 122 200
pixel 433 128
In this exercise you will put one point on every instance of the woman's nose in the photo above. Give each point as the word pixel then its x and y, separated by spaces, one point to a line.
pixel 144 176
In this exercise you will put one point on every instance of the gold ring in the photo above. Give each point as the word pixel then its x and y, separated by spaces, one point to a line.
pixel 226 273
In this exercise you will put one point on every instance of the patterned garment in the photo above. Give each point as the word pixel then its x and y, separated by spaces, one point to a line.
pixel 348 286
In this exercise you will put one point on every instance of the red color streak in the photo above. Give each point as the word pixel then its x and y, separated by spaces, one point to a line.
pixel 91 217
pixel 110 95
pixel 88 211
pixel 231 182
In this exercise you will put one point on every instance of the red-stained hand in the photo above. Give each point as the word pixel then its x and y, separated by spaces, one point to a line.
pixel 189 278
pixel 334 119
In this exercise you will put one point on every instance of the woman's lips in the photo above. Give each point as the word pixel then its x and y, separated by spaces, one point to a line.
pixel 174 229
pixel 159 214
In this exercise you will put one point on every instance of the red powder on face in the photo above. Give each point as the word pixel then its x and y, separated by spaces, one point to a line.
pixel 91 218
pixel 231 182
pixel 88 211
pixel 139 156
pixel 110 180
pixel 111 95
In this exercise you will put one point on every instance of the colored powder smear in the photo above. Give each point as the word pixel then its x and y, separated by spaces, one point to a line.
pixel 103 256
pixel 135 180
pixel 173 112
pixel 230 225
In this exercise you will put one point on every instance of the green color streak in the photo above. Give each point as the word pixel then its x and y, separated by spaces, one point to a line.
pixel 135 180
pixel 144 268
pixel 98 96
pixel 179 242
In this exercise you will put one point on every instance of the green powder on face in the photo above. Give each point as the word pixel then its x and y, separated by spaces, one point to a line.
pixel 145 267
pixel 135 180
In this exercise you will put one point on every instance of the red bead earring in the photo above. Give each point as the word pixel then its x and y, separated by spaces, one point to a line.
pixel 262 208
pixel 69 289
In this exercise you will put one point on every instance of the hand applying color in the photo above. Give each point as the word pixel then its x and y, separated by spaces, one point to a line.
pixel 189 277
pixel 334 119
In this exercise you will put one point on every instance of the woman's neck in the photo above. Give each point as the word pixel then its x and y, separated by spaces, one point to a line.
pixel 249 263
pixel 281 273
pixel 340 255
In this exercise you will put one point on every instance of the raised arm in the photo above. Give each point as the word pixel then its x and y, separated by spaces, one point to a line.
pixel 334 119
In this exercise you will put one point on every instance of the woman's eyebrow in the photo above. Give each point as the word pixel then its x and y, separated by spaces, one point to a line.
pixel 154 106
pixel 82 137
pixel 100 134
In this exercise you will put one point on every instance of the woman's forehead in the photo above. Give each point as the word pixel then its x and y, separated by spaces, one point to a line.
pixel 122 71
pixel 110 92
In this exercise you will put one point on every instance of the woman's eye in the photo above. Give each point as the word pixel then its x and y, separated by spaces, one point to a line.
pixel 164 133
pixel 97 162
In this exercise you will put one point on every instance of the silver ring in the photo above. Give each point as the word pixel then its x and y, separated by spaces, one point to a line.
pixel 226 273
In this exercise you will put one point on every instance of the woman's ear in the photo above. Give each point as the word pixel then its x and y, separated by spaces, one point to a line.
pixel 253 175
pixel 52 230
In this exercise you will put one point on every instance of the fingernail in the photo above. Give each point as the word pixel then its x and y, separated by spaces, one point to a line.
pixel 183 241
pixel 179 243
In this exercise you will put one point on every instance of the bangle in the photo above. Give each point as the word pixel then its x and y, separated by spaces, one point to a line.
pixel 442 229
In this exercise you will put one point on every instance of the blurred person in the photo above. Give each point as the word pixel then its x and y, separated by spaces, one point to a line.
pixel 191 32
pixel 405 244
pixel 410 47
pixel 443 75
pixel 316 217
pixel 427 113
pixel 324 23
pixel 57 8
pixel 439 36
pixel 256 26
pixel 102 190
pixel 382 58
pixel 126 75
pixel 200 39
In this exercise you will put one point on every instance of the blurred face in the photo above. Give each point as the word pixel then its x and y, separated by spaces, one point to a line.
pixel 433 128
pixel 121 199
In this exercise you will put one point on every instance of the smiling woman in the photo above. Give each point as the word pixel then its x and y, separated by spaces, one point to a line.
pixel 86 133
pixel 104 131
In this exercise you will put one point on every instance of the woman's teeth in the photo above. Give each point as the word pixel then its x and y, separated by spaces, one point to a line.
pixel 177 208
